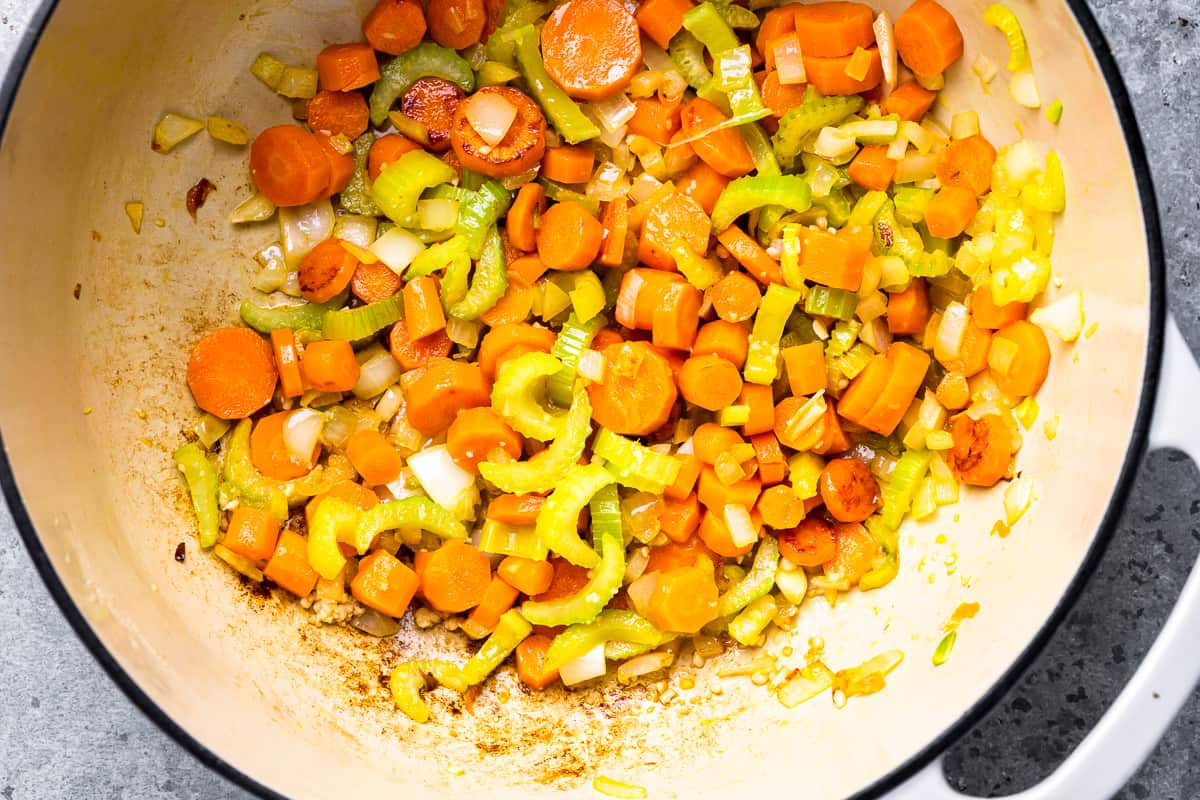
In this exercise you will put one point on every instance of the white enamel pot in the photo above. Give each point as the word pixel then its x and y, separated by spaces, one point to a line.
pixel 289 709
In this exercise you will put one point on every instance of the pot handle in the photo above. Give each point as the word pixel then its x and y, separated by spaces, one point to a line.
pixel 1131 728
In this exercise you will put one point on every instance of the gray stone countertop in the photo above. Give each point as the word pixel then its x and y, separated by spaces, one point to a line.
pixel 67 732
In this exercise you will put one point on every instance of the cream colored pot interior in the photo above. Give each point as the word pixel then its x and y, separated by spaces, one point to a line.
pixel 93 401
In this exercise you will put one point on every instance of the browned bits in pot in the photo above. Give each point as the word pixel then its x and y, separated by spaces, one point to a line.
pixel 180 552
pixel 850 491
pixel 432 102
pixel 520 150
pixel 77 290
pixel 198 194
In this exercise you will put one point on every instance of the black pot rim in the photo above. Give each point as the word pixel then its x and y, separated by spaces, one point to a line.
pixel 1137 446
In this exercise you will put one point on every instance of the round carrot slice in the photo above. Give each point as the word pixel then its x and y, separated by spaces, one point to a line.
pixel 289 165
pixel 710 382
pixel 928 38
pixel 781 97
pixel 414 353
pixel 520 150
pixel 445 388
pixel 982 449
pixel 834 29
pixel 455 577
pixel 339 112
pixel 326 271
pixel 270 454
pixel 638 390
pixel 810 544
pixel 341 165
pixel 395 26
pixel 476 432
pixel 231 373
pixel 724 150
pixel 374 282
pixel 455 24
pixel 1030 362
pixel 432 102
pixel 591 47
pixel 849 490
pixel 569 237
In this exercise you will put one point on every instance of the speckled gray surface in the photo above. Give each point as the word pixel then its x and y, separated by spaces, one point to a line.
pixel 67 732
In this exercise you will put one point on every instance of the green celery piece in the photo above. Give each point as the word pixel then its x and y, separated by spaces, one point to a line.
pixel 253 488
pixel 1048 192
pixel 201 477
pixel 635 465
pixel 709 27
pixel 305 317
pixel 510 632
pixel 910 203
pixel 353 324
pixel 763 355
pixel 407 681
pixel 736 16
pixel 561 111
pixel 489 283
pixel 559 193
pixel 516 396
pixel 620 651
pixel 688 54
pixel 895 239
pixel 546 469
pixel 748 626
pixel 897 498
pixel 356 197
pixel 755 191
pixel 573 339
pixel 556 523
pixel 426 60
pixel 411 512
pixel 813 113
pixel 334 522
pixel 605 580
pixel 399 187
pixel 758 581
pixel 478 214
pixel 836 206
pixel 612 625
pixel 825 301
pixel 450 255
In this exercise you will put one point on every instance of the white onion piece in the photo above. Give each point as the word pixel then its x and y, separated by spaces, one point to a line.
pixel 655 57
pixel 916 167
pixel 614 112
pixel 643 186
pixel 356 229
pixel 378 373
pixel 964 124
pixel 438 214
pixel 397 248
pixel 1024 89
pixel 614 138
pixel 793 584
pixel 741 528
pixel 917 135
pixel 372 623
pixel 608 183
pixel 948 343
pixel 644 664
pixel 875 334
pixel 789 61
pixel 591 366
pixel 389 403
pixel 887 48
pixel 463 332
pixel 673 86
pixel 446 483
pixel 588 666
pixel 1064 317
pixel 301 228
pixel 627 299
pixel 641 590
pixel 636 564
pixel 405 485
pixel 301 433
pixel 934 83
pixel 340 423
pixel 491 115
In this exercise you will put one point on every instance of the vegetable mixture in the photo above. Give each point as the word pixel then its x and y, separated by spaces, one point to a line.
pixel 622 324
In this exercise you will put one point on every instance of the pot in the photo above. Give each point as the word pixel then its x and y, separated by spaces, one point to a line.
pixel 96 401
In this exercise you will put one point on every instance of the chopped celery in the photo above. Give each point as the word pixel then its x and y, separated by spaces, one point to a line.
pixel 489 283
pixel 748 626
pixel 201 478
pixel 401 183
pixel 911 203
pixel 556 523
pixel 1001 17
pixel 836 206
pixel 755 191
pixel 634 464
pixel 789 257
pixel 512 540
pixel 510 631
pixel 688 54
pixel 252 488
pixel 334 522
pixel 308 316
pixel 758 581
pixel 587 296
pixel 611 625
pixel 924 502
pixel 543 472
pixel 898 496
pixel 516 396
pixel 479 212
pixel 356 197
pixel 867 208
pixel 825 301
pixel 1054 112
pixel 353 324
pixel 573 338
pixel 813 114
pixel 411 512
pixel 873 131
pixel 408 680
pixel 763 354
pixel 1047 192
pixel 493 73
pixel 945 647
pixel 426 60
pixel 700 272
pixel 1022 280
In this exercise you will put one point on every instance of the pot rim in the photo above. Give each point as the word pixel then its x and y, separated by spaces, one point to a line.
pixel 1154 350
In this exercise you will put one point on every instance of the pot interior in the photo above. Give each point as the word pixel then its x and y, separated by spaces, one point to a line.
pixel 95 401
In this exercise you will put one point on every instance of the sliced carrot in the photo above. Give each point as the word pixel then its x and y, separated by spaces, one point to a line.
pixel 805 368
pixel 329 366
pixel 857 553
pixel 953 392
pixel 287 362
pixel 604 337
pixel 715 533
pixel 339 112
pixel 231 373
pixel 950 211
pixel 908 310
pixel 326 271
pixel 455 24
pixel 835 259
pixel 289 165
pixel 373 283
pixel 531 662
pixel 476 432
pixel 703 184
pixel 715 495
pixel 270 454
pixel 678 156
pixel 910 101
pixel 684 599
pixel 569 163
pixel 725 339
pixel 750 255
pixel 810 544
pixel 289 565
pixel 640 294
pixel 497 598
pixel 834 439
pixel 502 338
pixel 1022 370
pixel 411 353
pixel 638 391
pixel 525 215
pixel 830 76
pixel 374 457
pixel 990 316
pixel 446 388
pixel 455 577
pixel 384 583
pixel 761 402
pixel 568 580
pixel 252 533
pixel 516 509
pixel 776 23
pixel 591 48
pixel 676 554
pixel 655 119
pixel 982 451
pixel 661 19
pixel 433 103
pixel 834 29
pixel 685 482
pixel 928 39
pixel 724 150
pixel 569 238
pixel 515 306
pixel 872 169
pixel 423 314
pixel 616 227
pixel 967 163
pixel 780 508
pixel 849 490
pixel 710 382
pixel 908 367
pixel 675 319
pixel 781 97
pixel 525 574
pixel 710 440
pixel 735 297
pixel 676 217
pixel 972 357
pixel 519 151
pixel 344 67
pixel 341 164
pixel 387 150
pixel 526 270
pixel 679 519
pixel 395 26
pixel 772 466
pixel 859 397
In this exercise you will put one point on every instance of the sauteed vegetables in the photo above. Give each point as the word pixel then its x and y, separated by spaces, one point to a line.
pixel 620 325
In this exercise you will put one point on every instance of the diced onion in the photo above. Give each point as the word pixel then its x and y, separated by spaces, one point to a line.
pixel 584 668
pixel 614 112
pixel 608 183
pixel 340 423
pixel 792 583
pixel 389 403
pixel 1064 317
pixel 645 83
pixel 916 167
pixel 887 48
pixel 446 483
pixel 173 129
pixel 872 306
pixel 301 433
pixel 256 208
pixel 210 429
pixel 591 366
pixel 789 61
pixel 491 115
pixel 614 138
pixel 964 124
pixel 636 565
pixel 397 248
pixel 405 485
pixel 835 145
pixel 627 299
pixel 952 331
pixel 463 332
pixel 741 528
pixel 934 83
pixel 1024 89
pixel 356 229
pixel 655 57
pixel 238 562
pixel 672 87
pixel 898 147
pixel 1017 498
pixel 876 335
pixel 984 68
pixel 640 513
pixel 439 214
pixel 372 623
pixel 801 687
pixel 301 228
pixel 644 664
pixel 643 187
pixel 917 135
pixel 376 375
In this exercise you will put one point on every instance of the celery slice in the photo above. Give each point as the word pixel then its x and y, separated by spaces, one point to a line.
pixel 573 339
pixel 634 464
pixel 201 477
pixel 825 301
pixel 556 524
pixel 906 477
pixel 612 625
pixel 516 396
pixel 401 183
pixel 763 355
pixel 542 472
pixel 353 324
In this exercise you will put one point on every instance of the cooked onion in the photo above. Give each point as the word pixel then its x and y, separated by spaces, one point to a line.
pixel 372 623
pixel 438 214
pixel 397 248
pixel 636 564
pixel 446 483
pixel 614 112
pixel 301 228
pixel 491 115
pixel 886 42
pixel 951 332
pixel 378 373
pixel 589 665
pixel 789 61
pixel 916 167
pixel 741 528
pixel 627 299
pixel 389 403
pixel 644 664
pixel 301 433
